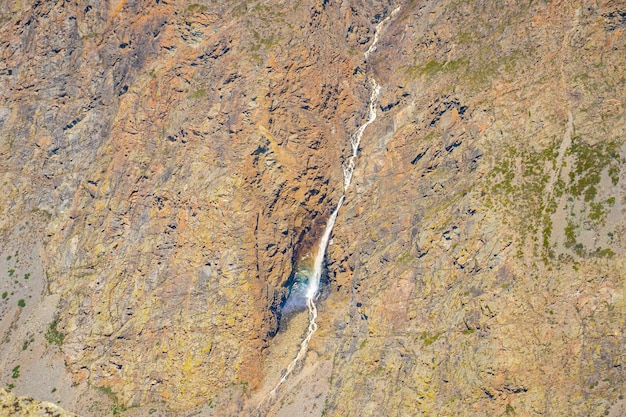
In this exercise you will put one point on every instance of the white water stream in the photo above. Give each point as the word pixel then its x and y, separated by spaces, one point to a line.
pixel 348 169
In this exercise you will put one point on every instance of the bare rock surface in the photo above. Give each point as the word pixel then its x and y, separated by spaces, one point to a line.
pixel 165 166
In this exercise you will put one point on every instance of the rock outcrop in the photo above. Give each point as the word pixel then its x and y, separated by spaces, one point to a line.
pixel 169 163
pixel 11 405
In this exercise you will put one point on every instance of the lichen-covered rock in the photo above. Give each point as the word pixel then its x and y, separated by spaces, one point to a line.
pixel 12 405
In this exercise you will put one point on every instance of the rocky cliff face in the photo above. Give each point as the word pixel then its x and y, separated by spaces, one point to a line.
pixel 166 166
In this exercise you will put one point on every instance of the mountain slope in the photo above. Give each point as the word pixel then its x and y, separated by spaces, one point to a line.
pixel 167 166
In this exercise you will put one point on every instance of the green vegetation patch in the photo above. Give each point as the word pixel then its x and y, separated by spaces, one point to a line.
pixel 405 259
pixel 429 339
pixel 605 253
pixel 27 342
pixel 195 7
pixel 519 181
pixel 198 93
pixel 261 42
pixel 475 71
pixel 434 67
pixel 117 409
pixel 53 335
pixel 108 391
pixel 570 234
pixel 590 161
pixel 585 175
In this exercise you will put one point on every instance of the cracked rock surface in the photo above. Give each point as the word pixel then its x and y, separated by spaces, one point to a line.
pixel 164 166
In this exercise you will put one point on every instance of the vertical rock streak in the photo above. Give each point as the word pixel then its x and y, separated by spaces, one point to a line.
pixel 348 170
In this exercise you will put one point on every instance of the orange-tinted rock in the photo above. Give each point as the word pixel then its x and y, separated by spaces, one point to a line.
pixel 177 160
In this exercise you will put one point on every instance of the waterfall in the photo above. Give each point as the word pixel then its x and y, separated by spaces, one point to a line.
pixel 313 283
pixel 377 30
pixel 313 287
pixel 355 138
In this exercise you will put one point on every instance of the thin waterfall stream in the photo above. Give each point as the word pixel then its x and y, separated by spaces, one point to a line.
pixel 313 283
